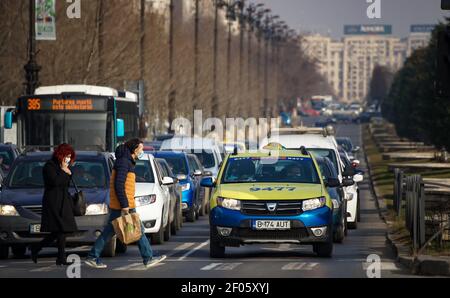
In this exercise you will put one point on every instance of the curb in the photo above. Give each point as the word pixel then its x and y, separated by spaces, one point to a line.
pixel 422 265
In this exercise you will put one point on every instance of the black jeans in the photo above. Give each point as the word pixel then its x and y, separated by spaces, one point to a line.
pixel 60 237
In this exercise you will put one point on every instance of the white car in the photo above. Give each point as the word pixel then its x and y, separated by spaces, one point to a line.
pixel 320 142
pixel 153 199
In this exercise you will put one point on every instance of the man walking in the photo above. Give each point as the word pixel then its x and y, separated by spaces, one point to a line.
pixel 122 189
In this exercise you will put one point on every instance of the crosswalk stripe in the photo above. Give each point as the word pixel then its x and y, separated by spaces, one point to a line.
pixel 221 266
pixel 299 266
pixel 193 250
pixel 45 269
pixel 128 267
pixel 390 266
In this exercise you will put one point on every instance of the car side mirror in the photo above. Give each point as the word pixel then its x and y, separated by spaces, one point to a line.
pixel 358 178
pixel 207 173
pixel 167 181
pixel 348 182
pixel 332 182
pixel 356 149
pixel 208 182
pixel 198 173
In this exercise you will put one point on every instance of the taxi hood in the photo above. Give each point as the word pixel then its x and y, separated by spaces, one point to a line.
pixel 270 191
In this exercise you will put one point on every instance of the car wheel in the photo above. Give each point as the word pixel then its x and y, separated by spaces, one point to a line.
pixel 158 238
pixel 202 211
pixel 174 225
pixel 121 248
pixel 352 225
pixel 4 252
pixel 180 217
pixel 18 251
pixel 339 234
pixel 167 231
pixel 197 215
pixel 191 214
pixel 216 250
pixel 109 250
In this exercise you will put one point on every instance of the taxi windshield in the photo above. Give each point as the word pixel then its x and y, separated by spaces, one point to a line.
pixel 280 170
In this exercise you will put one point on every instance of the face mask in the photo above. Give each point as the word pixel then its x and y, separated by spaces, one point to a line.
pixel 67 160
pixel 141 155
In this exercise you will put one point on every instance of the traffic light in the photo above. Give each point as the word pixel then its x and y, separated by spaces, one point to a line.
pixel 443 64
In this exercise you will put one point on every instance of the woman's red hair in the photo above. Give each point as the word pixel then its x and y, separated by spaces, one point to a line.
pixel 64 150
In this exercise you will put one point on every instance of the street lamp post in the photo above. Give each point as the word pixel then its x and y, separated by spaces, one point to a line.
pixel 31 68
pixel 172 93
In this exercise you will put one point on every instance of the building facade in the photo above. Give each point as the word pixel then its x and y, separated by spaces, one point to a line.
pixel 348 64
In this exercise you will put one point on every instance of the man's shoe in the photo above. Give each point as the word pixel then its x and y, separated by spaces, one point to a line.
pixel 154 261
pixel 34 254
pixel 93 263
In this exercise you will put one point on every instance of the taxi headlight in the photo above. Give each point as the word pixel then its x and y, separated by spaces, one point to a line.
pixel 8 210
pixel 231 204
pixel 145 200
pixel 97 209
pixel 314 204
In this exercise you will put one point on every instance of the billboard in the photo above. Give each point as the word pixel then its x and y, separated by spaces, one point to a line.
pixel 422 28
pixel 45 20
pixel 367 29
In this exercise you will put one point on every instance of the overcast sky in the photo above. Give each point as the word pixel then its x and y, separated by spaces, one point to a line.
pixel 330 16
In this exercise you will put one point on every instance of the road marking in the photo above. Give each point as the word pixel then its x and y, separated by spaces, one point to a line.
pixel 45 269
pixel 193 250
pixel 2 266
pixel 180 248
pixel 299 266
pixel 389 266
pixel 221 266
pixel 128 267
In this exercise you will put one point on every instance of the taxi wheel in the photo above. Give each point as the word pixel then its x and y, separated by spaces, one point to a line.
pixel 216 251
pixel 4 252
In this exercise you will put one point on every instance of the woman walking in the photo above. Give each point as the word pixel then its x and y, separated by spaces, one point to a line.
pixel 57 208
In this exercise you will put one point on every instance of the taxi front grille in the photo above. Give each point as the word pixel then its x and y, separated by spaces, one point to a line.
pixel 34 209
pixel 285 208
pixel 293 234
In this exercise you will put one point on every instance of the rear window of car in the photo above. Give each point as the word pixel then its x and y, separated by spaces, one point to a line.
pixel 177 164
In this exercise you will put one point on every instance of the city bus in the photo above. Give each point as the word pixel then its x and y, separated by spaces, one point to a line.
pixel 87 117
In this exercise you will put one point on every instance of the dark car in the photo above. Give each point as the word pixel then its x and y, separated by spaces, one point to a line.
pixel 189 181
pixel 8 153
pixel 336 192
pixel 199 167
pixel 21 201
pixel 176 216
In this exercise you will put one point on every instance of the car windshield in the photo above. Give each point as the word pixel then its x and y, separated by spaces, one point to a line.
pixel 284 170
pixel 177 165
pixel 206 159
pixel 327 153
pixel 86 174
pixel 144 173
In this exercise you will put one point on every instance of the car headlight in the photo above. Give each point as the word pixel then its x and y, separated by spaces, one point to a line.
pixel 231 204
pixel 145 200
pixel 97 209
pixel 185 187
pixel 336 204
pixel 8 210
pixel 314 204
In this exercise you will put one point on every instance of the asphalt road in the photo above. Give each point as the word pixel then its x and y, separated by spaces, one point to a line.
pixel 188 252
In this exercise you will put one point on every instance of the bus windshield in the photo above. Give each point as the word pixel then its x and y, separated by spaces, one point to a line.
pixel 84 131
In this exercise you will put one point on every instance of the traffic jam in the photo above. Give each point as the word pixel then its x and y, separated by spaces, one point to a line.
pixel 300 187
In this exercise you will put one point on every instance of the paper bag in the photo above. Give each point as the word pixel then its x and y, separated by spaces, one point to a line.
pixel 128 228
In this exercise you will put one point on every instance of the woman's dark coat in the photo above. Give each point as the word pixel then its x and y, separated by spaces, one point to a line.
pixel 57 205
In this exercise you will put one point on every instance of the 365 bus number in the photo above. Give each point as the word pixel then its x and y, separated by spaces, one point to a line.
pixel 34 104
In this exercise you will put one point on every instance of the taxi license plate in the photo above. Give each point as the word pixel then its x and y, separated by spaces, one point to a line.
pixel 35 229
pixel 271 225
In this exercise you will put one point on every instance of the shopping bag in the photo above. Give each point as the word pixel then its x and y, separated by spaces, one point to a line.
pixel 128 228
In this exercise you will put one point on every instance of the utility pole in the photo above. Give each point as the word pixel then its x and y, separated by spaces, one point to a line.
pixel 172 93
pixel 31 68
pixel 241 7
pixel 196 54
pixel 215 99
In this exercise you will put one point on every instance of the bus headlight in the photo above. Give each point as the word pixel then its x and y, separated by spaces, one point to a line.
pixel 8 210
pixel 145 200
pixel 231 204
pixel 313 204
pixel 97 209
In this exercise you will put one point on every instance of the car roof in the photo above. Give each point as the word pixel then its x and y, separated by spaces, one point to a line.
pixel 169 153
pixel 278 153
pixel 184 143
pixel 306 140
pixel 47 155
